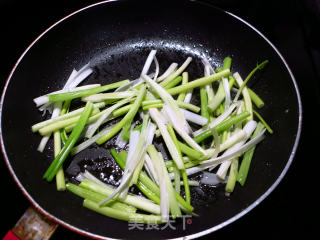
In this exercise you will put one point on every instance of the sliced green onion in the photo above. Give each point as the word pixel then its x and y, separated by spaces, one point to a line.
pixel 59 159
pixel 122 215
pixel 198 82
pixel 97 197
pixel 128 117
pixel 77 94
pixel 263 122
pixel 246 161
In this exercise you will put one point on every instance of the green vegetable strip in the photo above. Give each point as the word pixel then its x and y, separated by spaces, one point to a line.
pixel 220 95
pixel 218 69
pixel 232 176
pixel 186 185
pixel 227 63
pixel 120 158
pixel 175 168
pixel 226 124
pixel 259 67
pixel 204 102
pixel 121 111
pixel 263 122
pixel 64 110
pixel 174 138
pixel 247 157
pixel 190 152
pixel 174 82
pixel 59 97
pixel 97 197
pixel 176 179
pixel 63 136
pixel 136 201
pixel 121 215
pixel 126 130
pixel 148 193
pixel 60 180
pixel 57 162
pixel 63 116
pixel 183 171
pixel 64 123
pixel 127 118
pixel 157 105
pixel 255 98
pixel 198 82
pixel 161 169
pixel 189 106
pixel 185 79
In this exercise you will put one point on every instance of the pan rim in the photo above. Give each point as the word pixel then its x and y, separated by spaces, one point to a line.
pixel 191 236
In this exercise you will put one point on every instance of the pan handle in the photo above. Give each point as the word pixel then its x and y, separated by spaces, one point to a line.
pixel 32 226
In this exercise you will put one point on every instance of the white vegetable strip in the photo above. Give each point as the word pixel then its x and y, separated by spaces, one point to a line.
pixel 210 178
pixel 208 70
pixel 90 141
pixel 131 163
pixel 248 128
pixel 214 162
pixel 72 82
pixel 73 74
pixel 207 64
pixel 177 126
pixel 45 99
pixel 150 133
pixel 131 199
pixel 148 165
pixel 188 97
pixel 239 136
pixel 157 68
pixel 235 152
pixel 132 84
pixel 121 142
pixel 168 99
pixel 148 62
pixel 133 141
pixel 226 92
pixel 177 72
pixel 79 78
pixel 105 96
pixel 193 117
pixel 218 120
pixel 76 112
pixel 158 119
pixel 169 70
pixel 45 139
pixel 104 116
pixel 164 198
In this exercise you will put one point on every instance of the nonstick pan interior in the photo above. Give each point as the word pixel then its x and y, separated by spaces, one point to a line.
pixel 116 40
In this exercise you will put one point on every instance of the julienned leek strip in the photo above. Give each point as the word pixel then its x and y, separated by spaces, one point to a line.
pixel 98 197
pixel 59 159
pixel 77 94
pixel 128 117
pixel 122 215
pixel 199 82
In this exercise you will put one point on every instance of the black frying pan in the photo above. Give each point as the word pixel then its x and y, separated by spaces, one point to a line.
pixel 116 37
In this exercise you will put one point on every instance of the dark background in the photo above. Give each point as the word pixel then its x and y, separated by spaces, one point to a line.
pixel 291 25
